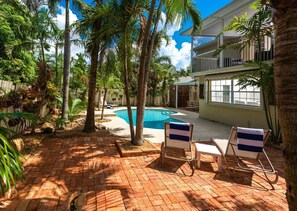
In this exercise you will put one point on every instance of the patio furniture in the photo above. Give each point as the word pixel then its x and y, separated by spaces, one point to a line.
pixel 209 150
pixel 178 143
pixel 248 144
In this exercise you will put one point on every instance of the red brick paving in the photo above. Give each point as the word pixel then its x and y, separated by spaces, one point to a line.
pixel 64 167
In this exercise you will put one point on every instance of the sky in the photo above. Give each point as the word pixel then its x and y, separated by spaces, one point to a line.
pixel 179 47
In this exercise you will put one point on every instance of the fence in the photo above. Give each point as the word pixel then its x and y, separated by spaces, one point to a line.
pixel 6 87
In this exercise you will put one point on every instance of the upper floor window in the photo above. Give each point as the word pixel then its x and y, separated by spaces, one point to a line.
pixel 227 91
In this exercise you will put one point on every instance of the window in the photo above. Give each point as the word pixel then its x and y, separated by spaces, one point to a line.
pixel 227 91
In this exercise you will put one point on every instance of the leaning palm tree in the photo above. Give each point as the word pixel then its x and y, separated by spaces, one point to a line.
pixel 175 10
pixel 285 20
pixel 88 27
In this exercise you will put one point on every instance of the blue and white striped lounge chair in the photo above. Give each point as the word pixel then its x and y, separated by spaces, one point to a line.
pixel 248 143
pixel 178 137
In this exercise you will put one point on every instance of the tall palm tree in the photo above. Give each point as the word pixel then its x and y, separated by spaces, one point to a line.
pixel 174 10
pixel 52 4
pixel 285 64
pixel 57 39
pixel 89 27
pixel 123 26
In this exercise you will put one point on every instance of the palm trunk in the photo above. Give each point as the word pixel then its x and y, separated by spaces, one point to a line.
pixel 126 79
pixel 42 47
pixel 90 118
pixel 286 92
pixel 56 67
pixel 163 91
pixel 66 65
pixel 103 104
pixel 99 98
pixel 142 80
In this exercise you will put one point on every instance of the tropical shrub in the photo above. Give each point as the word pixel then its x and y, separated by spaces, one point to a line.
pixel 10 158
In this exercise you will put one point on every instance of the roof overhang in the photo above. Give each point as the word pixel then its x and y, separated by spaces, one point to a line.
pixel 223 71
pixel 217 16
pixel 191 83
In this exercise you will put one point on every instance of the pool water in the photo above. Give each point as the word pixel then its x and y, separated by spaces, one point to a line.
pixel 153 118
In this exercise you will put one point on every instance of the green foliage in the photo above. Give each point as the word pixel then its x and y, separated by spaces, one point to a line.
pixel 10 163
pixel 75 106
pixel 252 29
pixel 16 63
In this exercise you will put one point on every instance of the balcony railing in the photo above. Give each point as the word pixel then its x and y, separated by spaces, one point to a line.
pixel 231 57
pixel 203 64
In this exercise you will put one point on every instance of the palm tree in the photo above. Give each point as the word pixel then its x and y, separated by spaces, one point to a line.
pixel 108 76
pixel 52 4
pixel 168 78
pixel 89 27
pixel 123 26
pixel 43 27
pixel 79 76
pixel 158 66
pixel 57 38
pixel 285 20
pixel 174 10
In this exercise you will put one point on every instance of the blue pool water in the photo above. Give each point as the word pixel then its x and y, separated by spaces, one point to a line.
pixel 153 118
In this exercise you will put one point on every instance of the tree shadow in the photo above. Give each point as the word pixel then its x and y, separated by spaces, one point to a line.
pixel 66 165
pixel 229 202
pixel 181 168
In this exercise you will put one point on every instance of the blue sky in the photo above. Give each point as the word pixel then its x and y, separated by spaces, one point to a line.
pixel 179 46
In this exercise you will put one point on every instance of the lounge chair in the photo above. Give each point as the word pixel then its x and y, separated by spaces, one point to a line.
pixel 178 143
pixel 247 143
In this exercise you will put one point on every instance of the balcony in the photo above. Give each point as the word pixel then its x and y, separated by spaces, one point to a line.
pixel 205 61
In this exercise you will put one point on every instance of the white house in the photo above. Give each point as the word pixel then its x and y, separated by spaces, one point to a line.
pixel 221 99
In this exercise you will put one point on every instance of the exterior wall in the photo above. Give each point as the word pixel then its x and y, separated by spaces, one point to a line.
pixel 234 115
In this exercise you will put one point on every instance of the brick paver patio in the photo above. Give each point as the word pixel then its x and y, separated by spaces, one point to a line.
pixel 64 167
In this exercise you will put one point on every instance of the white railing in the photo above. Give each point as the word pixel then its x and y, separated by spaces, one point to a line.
pixel 202 64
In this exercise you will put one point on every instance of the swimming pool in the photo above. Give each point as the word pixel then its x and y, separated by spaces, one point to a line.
pixel 153 118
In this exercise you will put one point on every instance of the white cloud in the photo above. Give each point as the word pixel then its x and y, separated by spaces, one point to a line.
pixel 171 28
pixel 60 20
pixel 180 58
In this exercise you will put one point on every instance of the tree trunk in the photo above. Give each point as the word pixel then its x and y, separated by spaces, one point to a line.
pixel 56 66
pixel 99 98
pixel 142 80
pixel 126 79
pixel 66 71
pixel 103 104
pixel 163 91
pixel 286 91
pixel 90 118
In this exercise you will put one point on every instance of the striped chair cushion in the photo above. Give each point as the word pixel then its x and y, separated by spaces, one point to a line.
pixel 179 135
pixel 250 139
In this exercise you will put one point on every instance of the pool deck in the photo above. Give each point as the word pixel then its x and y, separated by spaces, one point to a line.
pixel 203 129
